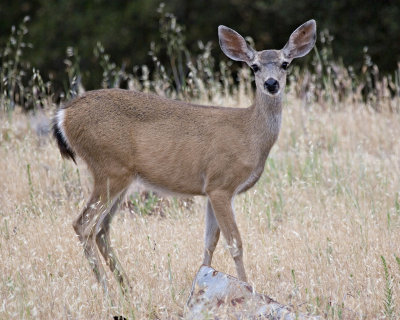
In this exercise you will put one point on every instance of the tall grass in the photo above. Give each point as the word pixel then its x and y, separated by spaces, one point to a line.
pixel 314 227
pixel 177 72
pixel 320 229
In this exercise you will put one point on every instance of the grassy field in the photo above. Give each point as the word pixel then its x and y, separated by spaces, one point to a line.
pixel 320 229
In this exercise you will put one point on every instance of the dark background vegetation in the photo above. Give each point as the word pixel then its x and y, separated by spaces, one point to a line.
pixel 126 28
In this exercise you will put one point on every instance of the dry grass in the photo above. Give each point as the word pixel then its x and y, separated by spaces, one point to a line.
pixel 314 227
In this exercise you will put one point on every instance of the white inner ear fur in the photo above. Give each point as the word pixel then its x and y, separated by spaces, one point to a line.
pixel 291 50
pixel 240 50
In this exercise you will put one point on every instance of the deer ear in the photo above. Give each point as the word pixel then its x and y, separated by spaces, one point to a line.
pixel 301 41
pixel 234 45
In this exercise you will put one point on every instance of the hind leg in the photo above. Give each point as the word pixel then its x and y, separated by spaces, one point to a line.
pixel 84 227
pixel 105 194
pixel 104 245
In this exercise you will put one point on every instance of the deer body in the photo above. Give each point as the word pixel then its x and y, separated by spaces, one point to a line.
pixel 172 145
pixel 177 147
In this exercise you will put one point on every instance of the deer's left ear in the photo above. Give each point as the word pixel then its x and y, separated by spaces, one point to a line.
pixel 301 41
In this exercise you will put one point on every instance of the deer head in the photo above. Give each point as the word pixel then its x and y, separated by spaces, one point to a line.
pixel 269 66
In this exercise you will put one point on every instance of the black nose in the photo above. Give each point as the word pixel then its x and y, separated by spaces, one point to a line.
pixel 271 85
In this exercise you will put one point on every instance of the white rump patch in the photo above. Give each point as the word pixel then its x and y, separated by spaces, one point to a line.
pixel 60 116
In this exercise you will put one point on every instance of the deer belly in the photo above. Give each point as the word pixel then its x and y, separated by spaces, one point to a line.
pixel 250 181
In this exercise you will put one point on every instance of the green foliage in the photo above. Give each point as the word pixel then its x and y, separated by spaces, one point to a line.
pixel 144 204
pixel 126 29
pixel 72 68
pixel 12 70
pixel 388 301
pixel 178 70
pixel 19 84
pixel 112 75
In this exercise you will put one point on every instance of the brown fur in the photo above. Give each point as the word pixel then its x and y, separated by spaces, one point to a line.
pixel 176 147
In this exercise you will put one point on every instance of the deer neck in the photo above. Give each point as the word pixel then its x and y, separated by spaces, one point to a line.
pixel 266 121
pixel 267 113
pixel 268 106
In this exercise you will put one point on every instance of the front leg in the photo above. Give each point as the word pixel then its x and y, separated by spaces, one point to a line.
pixel 211 235
pixel 221 202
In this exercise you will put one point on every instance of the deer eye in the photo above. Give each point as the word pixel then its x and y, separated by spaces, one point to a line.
pixel 285 65
pixel 255 67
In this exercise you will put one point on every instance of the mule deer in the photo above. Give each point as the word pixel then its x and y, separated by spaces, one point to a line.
pixel 177 147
